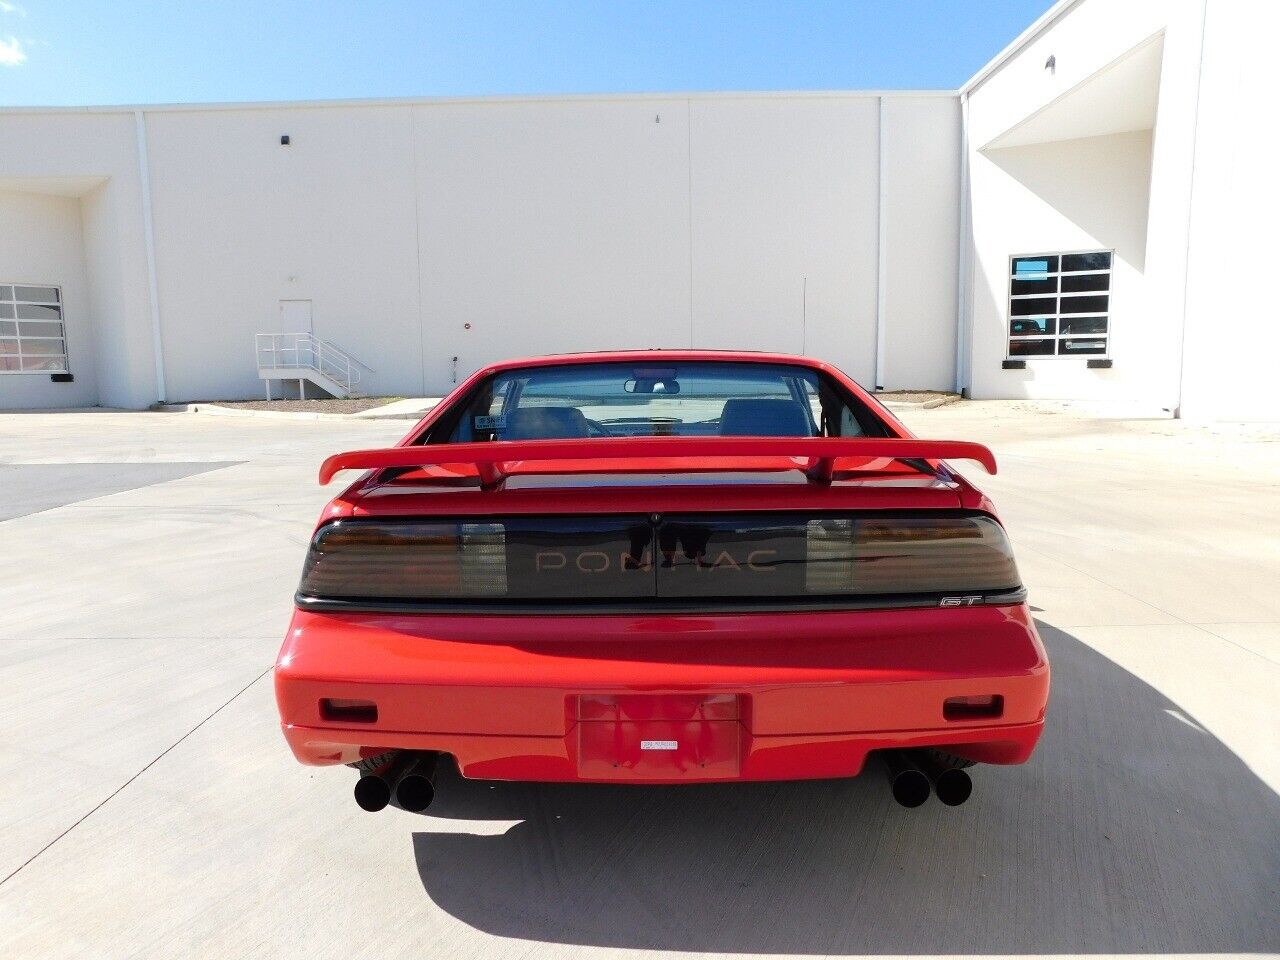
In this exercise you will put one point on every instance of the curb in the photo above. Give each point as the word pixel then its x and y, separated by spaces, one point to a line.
pixel 922 405
pixel 212 409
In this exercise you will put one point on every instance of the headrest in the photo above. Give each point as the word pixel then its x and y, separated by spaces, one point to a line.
pixel 749 417
pixel 545 423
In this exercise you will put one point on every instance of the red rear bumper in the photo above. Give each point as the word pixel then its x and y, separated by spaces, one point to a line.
pixel 664 698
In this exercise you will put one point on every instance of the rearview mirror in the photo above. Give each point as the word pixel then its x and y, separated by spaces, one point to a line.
pixel 666 386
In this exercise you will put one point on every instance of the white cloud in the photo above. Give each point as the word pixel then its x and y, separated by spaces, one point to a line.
pixel 11 53
pixel 6 6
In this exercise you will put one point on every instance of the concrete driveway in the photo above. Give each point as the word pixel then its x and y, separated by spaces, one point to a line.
pixel 149 807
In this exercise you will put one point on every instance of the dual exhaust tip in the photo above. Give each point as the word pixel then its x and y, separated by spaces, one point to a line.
pixel 408 778
pixel 915 774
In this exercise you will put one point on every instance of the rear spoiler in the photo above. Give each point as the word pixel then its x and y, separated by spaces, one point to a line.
pixel 819 454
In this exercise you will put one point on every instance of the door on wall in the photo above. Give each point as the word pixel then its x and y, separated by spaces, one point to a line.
pixel 294 317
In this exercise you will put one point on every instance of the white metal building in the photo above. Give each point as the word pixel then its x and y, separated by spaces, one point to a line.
pixel 1085 218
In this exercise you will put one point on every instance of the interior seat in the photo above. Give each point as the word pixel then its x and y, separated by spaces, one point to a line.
pixel 545 423
pixel 751 417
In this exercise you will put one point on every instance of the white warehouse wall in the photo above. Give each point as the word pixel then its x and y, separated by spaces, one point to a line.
pixel 1050 169
pixel 488 229
pixel 242 222
pixel 870 229
pixel 1232 339
pixel 551 226
pixel 93 155
pixel 784 227
pixel 922 221
pixel 1086 194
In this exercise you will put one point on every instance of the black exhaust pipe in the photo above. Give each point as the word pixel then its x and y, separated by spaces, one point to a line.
pixel 909 784
pixel 416 788
pixel 374 788
pixel 952 785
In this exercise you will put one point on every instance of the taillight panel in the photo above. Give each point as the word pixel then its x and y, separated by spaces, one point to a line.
pixel 593 560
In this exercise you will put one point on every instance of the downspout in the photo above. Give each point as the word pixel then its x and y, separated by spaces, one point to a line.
pixel 882 243
pixel 149 240
pixel 964 265
pixel 1191 193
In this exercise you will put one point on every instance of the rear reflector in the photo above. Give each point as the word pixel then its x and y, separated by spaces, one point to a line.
pixel 986 707
pixel 339 710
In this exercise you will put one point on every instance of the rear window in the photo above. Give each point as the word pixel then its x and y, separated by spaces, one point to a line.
pixel 660 400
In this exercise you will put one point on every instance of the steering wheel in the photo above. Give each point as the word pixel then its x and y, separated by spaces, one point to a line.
pixel 599 428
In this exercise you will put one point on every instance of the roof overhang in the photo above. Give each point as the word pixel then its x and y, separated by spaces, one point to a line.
pixel 1119 98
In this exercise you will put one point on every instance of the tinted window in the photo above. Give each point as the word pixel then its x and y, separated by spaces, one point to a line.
pixel 1084 324
pixel 1033 305
pixel 1084 305
pixel 1072 262
pixel 1086 281
pixel 1031 348
pixel 1021 288
pixel 1080 346
pixel 1031 326
pixel 1052 296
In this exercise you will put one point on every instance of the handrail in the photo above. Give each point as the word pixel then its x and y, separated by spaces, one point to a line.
pixel 305 351
pixel 816 456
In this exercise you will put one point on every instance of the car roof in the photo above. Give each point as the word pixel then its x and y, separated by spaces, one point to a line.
pixel 649 356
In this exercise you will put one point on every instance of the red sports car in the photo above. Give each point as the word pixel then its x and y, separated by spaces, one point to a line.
pixel 660 567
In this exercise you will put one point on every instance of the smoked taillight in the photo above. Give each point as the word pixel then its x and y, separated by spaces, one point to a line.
pixel 955 560
pixel 409 560
pixel 907 555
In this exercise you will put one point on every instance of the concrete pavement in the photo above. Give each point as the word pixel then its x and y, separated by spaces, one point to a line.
pixel 151 808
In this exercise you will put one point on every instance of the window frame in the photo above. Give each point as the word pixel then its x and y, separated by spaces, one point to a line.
pixel 61 304
pixel 1058 336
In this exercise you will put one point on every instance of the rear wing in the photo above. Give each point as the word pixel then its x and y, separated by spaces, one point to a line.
pixel 815 456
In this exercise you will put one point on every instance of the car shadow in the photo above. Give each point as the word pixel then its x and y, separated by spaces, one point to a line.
pixel 1132 830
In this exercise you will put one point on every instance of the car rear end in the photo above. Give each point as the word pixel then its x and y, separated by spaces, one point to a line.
pixel 607 613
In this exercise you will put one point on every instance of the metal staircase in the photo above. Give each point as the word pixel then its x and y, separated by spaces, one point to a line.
pixel 306 358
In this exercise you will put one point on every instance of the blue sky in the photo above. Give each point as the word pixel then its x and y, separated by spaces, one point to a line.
pixel 130 51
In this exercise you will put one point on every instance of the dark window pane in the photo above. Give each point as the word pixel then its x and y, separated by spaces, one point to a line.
pixel 39 294
pixel 55 364
pixel 1032 306
pixel 1019 287
pixel 1083 304
pixel 6 311
pixel 1031 326
pixel 1086 261
pixel 6 292
pixel 8 328
pixel 1088 345
pixel 28 311
pixel 1086 281
pixel 1084 324
pixel 8 348
pixel 1034 266
pixel 37 328
pixel 1030 348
